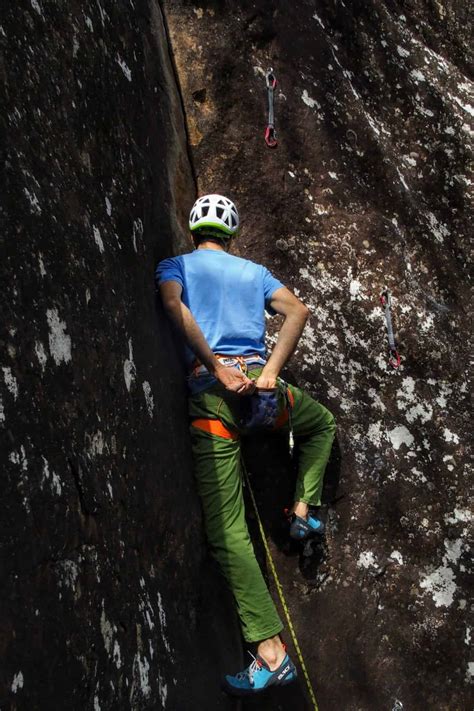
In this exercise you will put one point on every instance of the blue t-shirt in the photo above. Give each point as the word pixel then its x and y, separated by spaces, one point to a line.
pixel 227 297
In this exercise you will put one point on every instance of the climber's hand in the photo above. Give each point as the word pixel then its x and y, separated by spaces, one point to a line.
pixel 235 381
pixel 266 381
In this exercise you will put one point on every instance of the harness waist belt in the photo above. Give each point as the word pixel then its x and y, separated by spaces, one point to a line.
pixel 230 362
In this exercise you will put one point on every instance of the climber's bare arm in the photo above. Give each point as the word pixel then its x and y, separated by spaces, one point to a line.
pixel 183 320
pixel 296 314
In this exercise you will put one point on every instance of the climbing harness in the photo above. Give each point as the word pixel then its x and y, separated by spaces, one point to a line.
pixel 242 362
pixel 280 589
pixel 394 357
pixel 270 133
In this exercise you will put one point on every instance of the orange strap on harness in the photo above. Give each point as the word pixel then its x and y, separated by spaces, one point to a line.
pixel 214 427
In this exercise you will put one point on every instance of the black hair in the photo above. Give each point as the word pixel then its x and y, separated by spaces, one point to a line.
pixel 208 234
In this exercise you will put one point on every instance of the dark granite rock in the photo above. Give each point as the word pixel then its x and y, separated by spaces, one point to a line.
pixel 369 186
pixel 108 598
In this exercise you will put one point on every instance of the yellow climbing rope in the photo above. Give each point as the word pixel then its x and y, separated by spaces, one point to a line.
pixel 280 592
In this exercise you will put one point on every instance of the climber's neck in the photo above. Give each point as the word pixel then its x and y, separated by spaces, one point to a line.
pixel 211 245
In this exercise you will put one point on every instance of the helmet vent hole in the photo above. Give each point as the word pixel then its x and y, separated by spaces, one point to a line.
pixel 205 210
pixel 219 212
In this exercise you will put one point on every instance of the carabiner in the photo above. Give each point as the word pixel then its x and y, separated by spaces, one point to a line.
pixel 270 137
pixel 394 358
pixel 386 299
pixel 270 79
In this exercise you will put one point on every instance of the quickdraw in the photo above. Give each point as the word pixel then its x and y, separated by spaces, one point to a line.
pixel 270 133
pixel 394 357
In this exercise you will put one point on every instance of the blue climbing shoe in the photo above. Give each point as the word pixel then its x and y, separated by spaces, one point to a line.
pixel 300 528
pixel 258 677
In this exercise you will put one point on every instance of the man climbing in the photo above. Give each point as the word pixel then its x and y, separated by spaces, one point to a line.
pixel 217 302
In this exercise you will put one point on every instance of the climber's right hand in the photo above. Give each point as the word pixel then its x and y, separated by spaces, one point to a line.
pixel 234 380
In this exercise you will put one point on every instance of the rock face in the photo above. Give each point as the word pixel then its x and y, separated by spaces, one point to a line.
pixel 107 597
pixel 367 190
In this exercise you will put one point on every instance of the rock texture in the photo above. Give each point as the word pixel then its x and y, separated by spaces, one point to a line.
pixel 107 595
pixel 367 190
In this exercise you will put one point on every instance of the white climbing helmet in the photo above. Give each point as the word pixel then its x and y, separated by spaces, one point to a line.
pixel 214 211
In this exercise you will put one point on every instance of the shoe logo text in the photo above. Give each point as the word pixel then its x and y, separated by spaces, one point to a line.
pixel 282 674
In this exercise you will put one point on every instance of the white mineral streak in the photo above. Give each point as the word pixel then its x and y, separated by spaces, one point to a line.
pixel 437 228
pixel 69 572
pixel 59 341
pixel 19 458
pixel 108 206
pixel 309 101
pixel 163 623
pixel 146 608
pixel 116 655
pixel 107 630
pixel 354 289
pixel 400 435
pixel 318 20
pixel 18 682
pixel 407 400
pixel 123 66
pixel 417 75
pixel 137 231
pixel 2 411
pixel 129 369
pixel 98 239
pixel 148 398
pixel 45 468
pixel 41 354
pixel 10 381
pixel 375 433
pixel 396 556
pixel 97 443
pixel 450 436
pixel 35 207
pixel 56 485
pixel 402 52
pixel 36 6
pixel 460 516
pixel 441 582
pixel 366 560
pixel 162 689
pixel 41 265
pixel 143 666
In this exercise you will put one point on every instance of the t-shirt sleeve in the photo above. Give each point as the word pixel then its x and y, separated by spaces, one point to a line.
pixel 169 270
pixel 270 285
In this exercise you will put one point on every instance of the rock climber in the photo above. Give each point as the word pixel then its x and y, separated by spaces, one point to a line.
pixel 217 302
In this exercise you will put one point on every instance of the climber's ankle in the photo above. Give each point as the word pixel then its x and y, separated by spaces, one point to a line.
pixel 272 651
pixel 300 509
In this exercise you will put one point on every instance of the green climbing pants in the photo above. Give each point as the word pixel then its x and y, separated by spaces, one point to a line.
pixel 219 481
